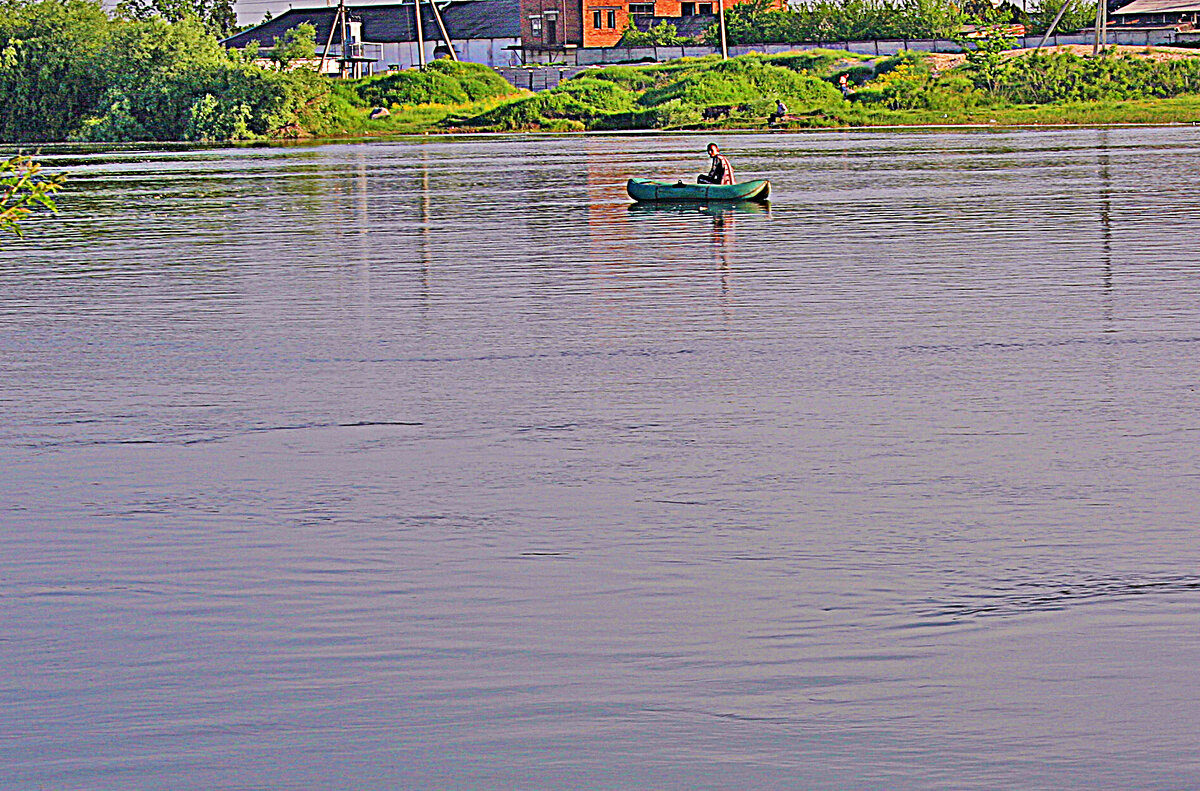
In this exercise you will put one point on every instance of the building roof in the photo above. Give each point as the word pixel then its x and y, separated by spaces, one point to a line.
pixel 1160 7
pixel 396 22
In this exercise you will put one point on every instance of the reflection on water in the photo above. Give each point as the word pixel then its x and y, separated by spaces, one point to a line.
pixel 440 464
pixel 717 231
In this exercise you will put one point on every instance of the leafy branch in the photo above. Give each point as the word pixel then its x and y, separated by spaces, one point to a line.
pixel 22 190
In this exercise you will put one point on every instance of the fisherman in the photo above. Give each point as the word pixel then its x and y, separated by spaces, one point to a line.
pixel 721 171
pixel 780 112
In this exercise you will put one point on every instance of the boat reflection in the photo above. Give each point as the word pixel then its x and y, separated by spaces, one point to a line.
pixel 712 209
pixel 721 241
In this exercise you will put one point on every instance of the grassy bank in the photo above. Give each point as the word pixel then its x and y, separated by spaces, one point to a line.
pixel 71 70
pixel 1140 86
pixel 444 94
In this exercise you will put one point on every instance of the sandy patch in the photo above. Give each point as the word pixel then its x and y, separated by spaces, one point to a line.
pixel 944 61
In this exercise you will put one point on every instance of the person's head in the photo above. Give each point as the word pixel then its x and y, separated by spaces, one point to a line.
pixel 713 150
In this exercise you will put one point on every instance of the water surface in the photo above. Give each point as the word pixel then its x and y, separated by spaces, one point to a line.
pixel 437 464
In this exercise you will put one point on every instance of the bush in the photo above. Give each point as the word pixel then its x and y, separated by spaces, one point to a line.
pixel 210 119
pixel 412 87
pixel 664 34
pixel 675 113
pixel 478 82
pixel 757 22
pixel 51 67
pixel 68 71
pixel 442 82
pixel 585 102
pixel 742 80
pixel 1040 78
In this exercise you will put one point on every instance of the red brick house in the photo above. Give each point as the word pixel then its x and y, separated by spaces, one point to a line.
pixel 551 29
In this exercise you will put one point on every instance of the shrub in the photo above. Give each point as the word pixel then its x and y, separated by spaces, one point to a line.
pixel 584 101
pixel 1040 78
pixel 675 113
pixel 210 119
pixel 664 34
pixel 412 87
pixel 442 82
pixel 742 80
pixel 478 82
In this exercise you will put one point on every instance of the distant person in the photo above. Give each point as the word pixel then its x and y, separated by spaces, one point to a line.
pixel 721 171
pixel 780 112
pixel 844 84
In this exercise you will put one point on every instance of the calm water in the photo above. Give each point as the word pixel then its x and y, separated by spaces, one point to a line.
pixel 437 465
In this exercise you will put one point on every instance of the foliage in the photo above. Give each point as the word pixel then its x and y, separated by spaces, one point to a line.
pixel 664 34
pixel 478 81
pixel 933 19
pixel 576 104
pixel 988 58
pixel 442 82
pixel 1079 15
pixel 175 82
pixel 640 78
pixel 1049 77
pixel 995 78
pixel 906 82
pixel 297 43
pixel 23 189
pixel 840 20
pixel 216 15
pixel 674 114
pixel 665 95
pixel 68 71
pixel 51 67
pixel 741 80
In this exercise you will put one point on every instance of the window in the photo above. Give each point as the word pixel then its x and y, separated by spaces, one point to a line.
pixel 704 8
pixel 551 28
pixel 687 9
pixel 642 8
pixel 612 19
pixel 596 19
pixel 535 25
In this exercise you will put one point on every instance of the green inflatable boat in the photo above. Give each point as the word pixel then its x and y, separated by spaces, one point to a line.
pixel 648 190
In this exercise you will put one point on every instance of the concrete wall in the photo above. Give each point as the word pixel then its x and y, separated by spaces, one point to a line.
pixel 488 51
pixel 539 78
pixel 601 55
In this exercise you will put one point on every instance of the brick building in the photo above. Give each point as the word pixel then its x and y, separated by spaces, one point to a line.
pixel 552 29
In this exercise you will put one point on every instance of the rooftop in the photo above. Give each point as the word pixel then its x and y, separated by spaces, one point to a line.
pixel 1160 7
pixel 396 22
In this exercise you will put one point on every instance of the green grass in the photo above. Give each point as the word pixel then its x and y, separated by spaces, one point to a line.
pixel 896 91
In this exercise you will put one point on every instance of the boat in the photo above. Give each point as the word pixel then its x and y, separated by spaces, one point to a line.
pixel 650 190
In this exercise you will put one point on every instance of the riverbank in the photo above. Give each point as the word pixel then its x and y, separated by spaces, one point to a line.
pixel 1057 86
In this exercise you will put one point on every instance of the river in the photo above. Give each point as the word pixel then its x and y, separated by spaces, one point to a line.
pixel 437 464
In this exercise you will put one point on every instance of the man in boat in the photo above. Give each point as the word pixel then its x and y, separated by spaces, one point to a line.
pixel 721 171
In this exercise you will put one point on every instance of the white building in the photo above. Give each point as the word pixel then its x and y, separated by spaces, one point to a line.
pixel 385 36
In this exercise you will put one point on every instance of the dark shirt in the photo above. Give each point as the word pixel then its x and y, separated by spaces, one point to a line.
pixel 722 171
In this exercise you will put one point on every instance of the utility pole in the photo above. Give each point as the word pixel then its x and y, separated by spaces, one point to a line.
pixel 421 35
pixel 1101 27
pixel 1054 24
pixel 724 46
pixel 345 45
pixel 437 15
pixel 333 25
